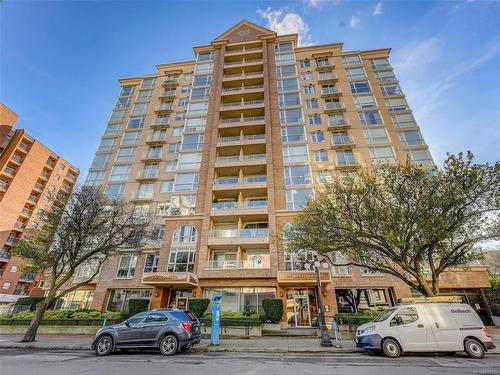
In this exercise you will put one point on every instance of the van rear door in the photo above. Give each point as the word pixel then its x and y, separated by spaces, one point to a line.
pixel 444 327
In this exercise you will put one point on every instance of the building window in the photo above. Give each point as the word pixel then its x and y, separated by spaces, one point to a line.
pixel 167 186
pixel 290 84
pixel 305 63
pixel 148 82
pixel 185 234
pixel 346 157
pixel 325 176
pixel 291 115
pixel 112 129
pixel 94 178
pixel 192 142
pixel 119 298
pixel 391 90
pixel 186 182
pixel 314 119
pixel 171 166
pixel 365 102
pixel 174 148
pixel 100 161
pixel 13 269
pixel 144 95
pixel 322 61
pixel 293 134
pixel 285 58
pixel 318 136
pixel 117 116
pixel 376 135
pixel 355 73
pixel 289 99
pixel 351 60
pixel 119 173
pixel 243 300
pixel 181 259
pixel 122 103
pixel 360 87
pixel 297 198
pixel 185 89
pixel 312 103
pixel 135 123
pixel 404 120
pixel 381 155
pixel 125 154
pixel 320 156
pixel 338 258
pixel 421 157
pixel 396 104
pixel 76 300
pixel 151 262
pixel 131 138
pixel 114 191
pixel 6 285
pixel 205 56
pixel 126 266
pixel 297 175
pixel 310 89
pixel 181 116
pixel 145 191
pixel 202 80
pixel 411 138
pixel 141 210
pixel 286 71
pixel 295 153
pixel 183 102
pixel 107 144
pixel 385 76
pixel 189 161
pixel 177 132
pixel 127 90
pixel 370 118
pixel 158 232
pixel 307 76
pixel 179 205
pixel 139 109
pixel 380 63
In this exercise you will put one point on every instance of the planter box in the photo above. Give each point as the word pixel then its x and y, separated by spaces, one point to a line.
pixel 255 331
pixel 271 327
pixel 50 330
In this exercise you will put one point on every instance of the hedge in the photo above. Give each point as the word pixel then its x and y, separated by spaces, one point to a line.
pixel 198 306
pixel 356 318
pixel 234 319
pixel 273 309
pixel 137 305
pixel 63 315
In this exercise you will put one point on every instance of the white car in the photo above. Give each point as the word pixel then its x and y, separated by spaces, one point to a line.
pixel 426 327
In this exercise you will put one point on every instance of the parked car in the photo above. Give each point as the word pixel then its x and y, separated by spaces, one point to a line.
pixel 426 327
pixel 169 330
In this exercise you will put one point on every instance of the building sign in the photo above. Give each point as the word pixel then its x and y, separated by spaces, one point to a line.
pixel 167 279
pixel 302 277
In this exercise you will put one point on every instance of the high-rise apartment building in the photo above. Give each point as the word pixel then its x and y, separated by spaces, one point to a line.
pixel 226 149
pixel 28 172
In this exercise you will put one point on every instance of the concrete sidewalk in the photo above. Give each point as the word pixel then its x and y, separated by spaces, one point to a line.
pixel 257 344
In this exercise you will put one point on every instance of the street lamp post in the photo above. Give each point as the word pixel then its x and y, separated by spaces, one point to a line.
pixel 325 337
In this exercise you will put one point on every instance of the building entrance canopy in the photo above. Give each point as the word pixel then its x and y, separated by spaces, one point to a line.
pixel 302 278
pixel 171 279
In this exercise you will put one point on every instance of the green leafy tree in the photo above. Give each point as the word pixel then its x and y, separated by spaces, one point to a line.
pixel 403 220
pixel 84 230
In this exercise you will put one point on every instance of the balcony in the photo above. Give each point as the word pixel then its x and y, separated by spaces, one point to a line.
pixel 9 171
pixel 157 138
pixel 239 208
pixel 240 183
pixel 243 104
pixel 243 50
pixel 330 91
pixel 241 159
pixel 4 256
pixel 328 77
pixel 246 139
pixel 235 264
pixel 238 236
pixel 11 240
pixel 342 141
pixel 325 66
pixel 167 94
pixel 38 187
pixel 16 159
pixel 50 163
pixel 27 277
pixel 170 82
pixel 32 199
pixel 334 107
pixel 44 175
pixel 241 121
pixel 26 212
pixel 243 62
pixel 161 123
pixel 152 156
pixel 19 226
pixel 24 147
pixel 243 88
pixel 240 76
pixel 66 187
pixel 338 124
pixel 70 177
pixel 21 292
pixel 347 162
pixel 3 185
pixel 164 108
pixel 147 175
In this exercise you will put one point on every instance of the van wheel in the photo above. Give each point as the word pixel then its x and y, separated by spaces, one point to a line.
pixel 474 348
pixel 104 346
pixel 169 345
pixel 391 348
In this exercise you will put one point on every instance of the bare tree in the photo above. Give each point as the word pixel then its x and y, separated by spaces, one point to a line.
pixel 85 230
pixel 403 220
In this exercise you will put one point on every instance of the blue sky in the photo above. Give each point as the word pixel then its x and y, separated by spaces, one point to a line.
pixel 60 60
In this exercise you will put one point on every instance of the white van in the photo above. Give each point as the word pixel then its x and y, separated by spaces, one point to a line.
pixel 426 327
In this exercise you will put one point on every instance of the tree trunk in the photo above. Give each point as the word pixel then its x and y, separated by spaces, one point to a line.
pixel 30 334
pixel 424 286
pixel 435 284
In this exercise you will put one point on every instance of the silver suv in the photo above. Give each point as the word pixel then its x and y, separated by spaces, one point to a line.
pixel 169 330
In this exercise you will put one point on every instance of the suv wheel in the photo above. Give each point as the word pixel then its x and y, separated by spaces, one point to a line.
pixel 474 348
pixel 104 345
pixel 169 345
pixel 391 348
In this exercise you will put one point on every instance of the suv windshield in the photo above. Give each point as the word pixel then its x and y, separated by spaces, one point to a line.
pixel 384 315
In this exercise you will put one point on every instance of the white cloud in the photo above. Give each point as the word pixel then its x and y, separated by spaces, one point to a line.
pixel 284 22
pixel 354 22
pixel 418 55
pixel 313 3
pixel 378 9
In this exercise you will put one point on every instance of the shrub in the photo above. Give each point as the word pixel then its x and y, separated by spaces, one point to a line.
pixel 199 306
pixel 112 315
pixel 95 314
pixel 273 309
pixel 234 319
pixel 29 301
pixel 23 315
pixel 137 305
pixel 355 318
pixel 55 314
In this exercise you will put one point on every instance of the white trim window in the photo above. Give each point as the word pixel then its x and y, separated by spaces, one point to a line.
pixel 411 138
pixel 151 262
pixel 295 153
pixel 376 135
pixel 421 157
pixel 126 266
pixel 120 172
pixel 382 155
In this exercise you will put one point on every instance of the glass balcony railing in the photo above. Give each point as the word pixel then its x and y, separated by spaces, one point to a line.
pixel 235 233
pixel 4 256
pixel 237 180
pixel 242 158
pixel 239 205
pixel 234 264
pixel 241 119
pixel 243 87
pixel 243 103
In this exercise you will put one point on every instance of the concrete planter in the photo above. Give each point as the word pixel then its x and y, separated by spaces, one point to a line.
pixel 255 331
pixel 271 327
pixel 50 330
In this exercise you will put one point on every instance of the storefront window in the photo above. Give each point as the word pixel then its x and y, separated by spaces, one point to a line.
pixel 118 299
pixel 247 300
pixel 78 299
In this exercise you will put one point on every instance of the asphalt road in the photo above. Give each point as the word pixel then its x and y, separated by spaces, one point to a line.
pixel 21 362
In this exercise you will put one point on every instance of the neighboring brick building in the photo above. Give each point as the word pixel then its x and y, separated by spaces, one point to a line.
pixel 226 149
pixel 28 169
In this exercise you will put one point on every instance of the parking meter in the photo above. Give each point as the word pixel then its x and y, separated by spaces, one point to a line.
pixel 215 331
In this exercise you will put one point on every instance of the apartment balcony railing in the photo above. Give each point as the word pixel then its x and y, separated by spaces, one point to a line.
pixel 70 177
pixel 242 50
pixel 235 233
pixel 167 94
pixel 240 158
pixel 236 120
pixel 235 264
pixel 239 205
pixel 23 146
pixel 66 188
pixel 11 240
pixel 334 106
pixel 26 212
pixel 343 140
pixel 157 138
pixel 19 225
pixel 44 175
pixel 38 187
pixel 243 61
pixel 9 171
pixel 164 108
pixel 330 91
pixel 347 161
pixel 27 277
pixel 21 292
pixel 171 82
pixel 3 185
pixel 147 174
pixel 242 75
pixel 237 138
pixel 16 158
pixel 152 156
pixel 50 163
pixel 242 103
pixel 32 198
pixel 242 88
pixel 327 77
pixel 242 180
pixel 338 123
pixel 4 256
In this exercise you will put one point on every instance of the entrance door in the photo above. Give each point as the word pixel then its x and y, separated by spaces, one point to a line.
pixel 302 313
